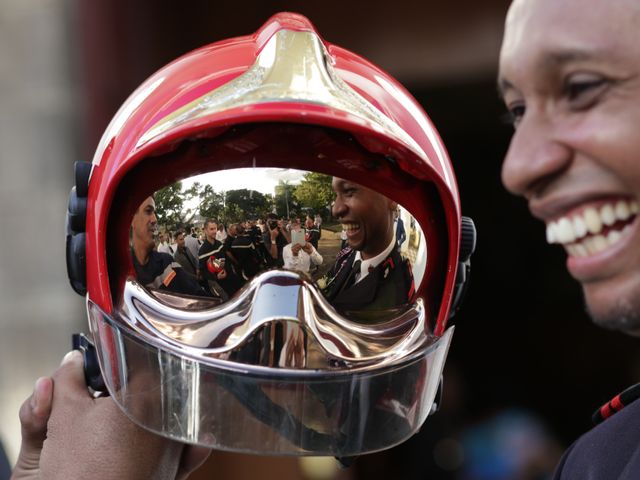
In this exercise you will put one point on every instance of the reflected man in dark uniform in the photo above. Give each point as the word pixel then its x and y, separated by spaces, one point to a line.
pixel 369 274
pixel 222 274
pixel 155 269
pixel 183 256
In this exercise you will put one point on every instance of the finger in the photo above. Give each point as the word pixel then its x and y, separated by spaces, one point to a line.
pixel 70 376
pixel 192 459
pixel 34 414
pixel 35 410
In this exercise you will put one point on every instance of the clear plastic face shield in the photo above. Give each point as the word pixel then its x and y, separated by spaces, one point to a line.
pixel 267 309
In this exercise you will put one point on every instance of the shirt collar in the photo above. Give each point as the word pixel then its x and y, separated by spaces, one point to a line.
pixel 373 262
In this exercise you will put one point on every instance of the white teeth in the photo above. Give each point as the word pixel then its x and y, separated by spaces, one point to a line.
pixel 551 233
pixel 608 215
pixel 350 226
pixel 622 210
pixel 581 233
pixel 593 221
pixel 581 250
pixel 599 243
pixel 589 246
pixel 579 227
pixel 564 231
pixel 595 244
pixel 613 236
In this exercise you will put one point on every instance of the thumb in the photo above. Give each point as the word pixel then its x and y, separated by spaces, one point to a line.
pixel 34 414
pixel 70 377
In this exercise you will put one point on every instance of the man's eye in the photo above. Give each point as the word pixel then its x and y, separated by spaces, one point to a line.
pixel 514 114
pixel 583 92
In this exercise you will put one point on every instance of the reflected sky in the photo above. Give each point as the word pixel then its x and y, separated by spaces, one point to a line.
pixel 263 180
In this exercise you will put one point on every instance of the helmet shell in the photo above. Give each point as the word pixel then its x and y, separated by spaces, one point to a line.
pixel 133 136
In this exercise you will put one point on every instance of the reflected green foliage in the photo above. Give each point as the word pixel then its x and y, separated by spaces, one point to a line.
pixel 243 203
pixel 314 192
pixel 212 204
pixel 286 204
pixel 169 204
pixel 176 208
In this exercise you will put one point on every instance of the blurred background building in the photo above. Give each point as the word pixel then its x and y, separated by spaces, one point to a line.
pixel 523 340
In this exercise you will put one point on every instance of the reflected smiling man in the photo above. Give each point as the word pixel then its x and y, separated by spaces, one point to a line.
pixel 570 77
pixel 369 274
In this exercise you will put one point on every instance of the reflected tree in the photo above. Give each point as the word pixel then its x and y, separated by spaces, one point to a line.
pixel 247 203
pixel 212 203
pixel 169 205
pixel 285 203
pixel 176 207
pixel 314 192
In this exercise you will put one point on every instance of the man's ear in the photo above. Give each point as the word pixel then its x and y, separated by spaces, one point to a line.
pixel 393 206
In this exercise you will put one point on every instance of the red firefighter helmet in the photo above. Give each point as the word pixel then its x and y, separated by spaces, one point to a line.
pixel 282 97
pixel 214 266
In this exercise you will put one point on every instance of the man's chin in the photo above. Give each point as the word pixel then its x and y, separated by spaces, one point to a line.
pixel 354 244
pixel 621 314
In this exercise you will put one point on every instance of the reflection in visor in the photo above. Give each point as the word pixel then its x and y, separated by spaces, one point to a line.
pixel 274 270
pixel 210 235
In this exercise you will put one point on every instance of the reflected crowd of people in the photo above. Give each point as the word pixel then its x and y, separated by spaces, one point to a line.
pixel 222 258
pixel 369 265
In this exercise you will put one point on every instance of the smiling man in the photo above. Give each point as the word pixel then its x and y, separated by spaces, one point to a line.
pixel 369 274
pixel 570 76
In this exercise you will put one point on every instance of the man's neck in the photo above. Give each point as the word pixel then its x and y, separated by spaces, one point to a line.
pixel 368 255
pixel 142 254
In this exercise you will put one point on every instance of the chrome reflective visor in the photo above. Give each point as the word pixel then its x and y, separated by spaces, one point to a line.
pixel 272 310
pixel 234 406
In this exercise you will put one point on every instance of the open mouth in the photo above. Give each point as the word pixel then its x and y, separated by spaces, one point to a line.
pixel 351 228
pixel 595 228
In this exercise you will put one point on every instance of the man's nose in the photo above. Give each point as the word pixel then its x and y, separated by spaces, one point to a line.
pixel 536 156
pixel 338 209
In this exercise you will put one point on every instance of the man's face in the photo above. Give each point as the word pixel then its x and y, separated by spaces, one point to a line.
pixel 180 240
pixel 210 230
pixel 144 225
pixel 366 215
pixel 570 76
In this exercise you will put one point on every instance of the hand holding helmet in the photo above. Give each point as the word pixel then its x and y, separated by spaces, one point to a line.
pixel 66 417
